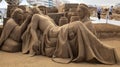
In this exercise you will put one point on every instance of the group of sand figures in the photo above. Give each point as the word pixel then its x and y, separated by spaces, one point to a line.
pixel 39 35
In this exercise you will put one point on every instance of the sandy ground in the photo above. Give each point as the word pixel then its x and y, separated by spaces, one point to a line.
pixel 23 60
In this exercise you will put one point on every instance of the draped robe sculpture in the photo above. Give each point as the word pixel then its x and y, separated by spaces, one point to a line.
pixel 72 42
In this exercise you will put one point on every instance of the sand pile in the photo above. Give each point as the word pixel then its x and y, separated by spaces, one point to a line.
pixel 107 30
pixel 116 17
pixel 117 10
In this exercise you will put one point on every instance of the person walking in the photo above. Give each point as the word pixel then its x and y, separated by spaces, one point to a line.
pixel 110 11
pixel 107 17
pixel 99 10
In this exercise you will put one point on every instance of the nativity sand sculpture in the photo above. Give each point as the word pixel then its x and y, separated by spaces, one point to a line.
pixel 72 42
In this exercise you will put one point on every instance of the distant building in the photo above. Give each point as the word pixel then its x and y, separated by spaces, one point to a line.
pixel 24 2
pixel 31 1
pixel 48 3
pixel 117 5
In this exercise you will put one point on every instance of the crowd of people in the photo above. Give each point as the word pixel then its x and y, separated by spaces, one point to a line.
pixel 108 15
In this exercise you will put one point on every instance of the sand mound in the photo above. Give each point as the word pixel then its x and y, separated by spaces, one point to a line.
pixel 107 30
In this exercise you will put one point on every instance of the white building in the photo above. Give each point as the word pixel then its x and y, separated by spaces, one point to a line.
pixel 48 3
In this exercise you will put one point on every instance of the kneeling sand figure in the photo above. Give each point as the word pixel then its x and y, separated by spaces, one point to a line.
pixel 10 39
pixel 71 42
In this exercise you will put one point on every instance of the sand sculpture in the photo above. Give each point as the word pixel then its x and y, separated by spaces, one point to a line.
pixel 72 42
pixel 71 12
pixel 56 17
pixel 43 9
pixel 10 39
pixel 74 18
pixel 83 12
pixel 66 7
pixel 63 20
pixel 80 13
pixel 84 16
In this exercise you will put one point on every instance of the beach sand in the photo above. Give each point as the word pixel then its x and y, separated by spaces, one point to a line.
pixel 24 60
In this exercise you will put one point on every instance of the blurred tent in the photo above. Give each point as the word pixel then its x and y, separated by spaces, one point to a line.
pixel 24 2
pixel 3 9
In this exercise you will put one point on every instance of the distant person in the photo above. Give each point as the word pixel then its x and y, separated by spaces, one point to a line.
pixel 99 10
pixel 0 14
pixel 1 17
pixel 110 12
pixel 107 17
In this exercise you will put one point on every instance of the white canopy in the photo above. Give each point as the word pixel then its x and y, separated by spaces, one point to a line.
pixel 24 2
pixel 3 4
pixel 3 8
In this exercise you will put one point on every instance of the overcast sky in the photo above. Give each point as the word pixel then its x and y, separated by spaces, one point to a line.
pixel 97 2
